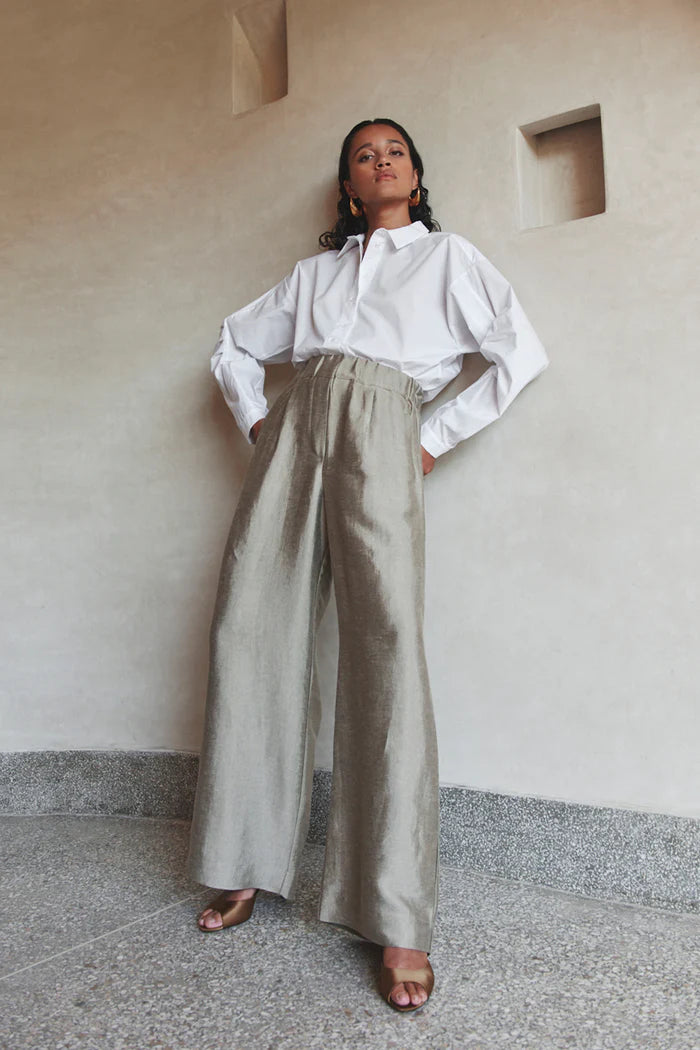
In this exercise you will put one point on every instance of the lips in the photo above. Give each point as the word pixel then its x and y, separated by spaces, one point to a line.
pixel 386 175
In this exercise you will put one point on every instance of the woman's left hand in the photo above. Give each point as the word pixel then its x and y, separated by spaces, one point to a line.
pixel 428 461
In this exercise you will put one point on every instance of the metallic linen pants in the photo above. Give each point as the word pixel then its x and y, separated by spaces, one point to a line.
pixel 334 490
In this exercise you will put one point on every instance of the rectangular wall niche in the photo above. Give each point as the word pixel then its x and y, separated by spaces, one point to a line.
pixel 259 54
pixel 560 168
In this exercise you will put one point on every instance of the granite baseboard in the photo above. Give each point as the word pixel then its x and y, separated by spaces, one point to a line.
pixel 594 851
pixel 125 783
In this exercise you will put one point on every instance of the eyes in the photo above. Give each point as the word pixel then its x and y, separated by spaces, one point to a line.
pixel 394 152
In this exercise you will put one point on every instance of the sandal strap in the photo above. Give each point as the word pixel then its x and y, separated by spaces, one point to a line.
pixel 232 912
pixel 391 976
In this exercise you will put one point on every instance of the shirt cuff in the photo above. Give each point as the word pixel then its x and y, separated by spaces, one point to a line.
pixel 245 422
pixel 430 443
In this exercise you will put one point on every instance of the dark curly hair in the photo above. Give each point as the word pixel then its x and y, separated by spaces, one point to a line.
pixel 347 223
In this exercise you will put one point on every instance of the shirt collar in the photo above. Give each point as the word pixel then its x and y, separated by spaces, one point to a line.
pixel 401 236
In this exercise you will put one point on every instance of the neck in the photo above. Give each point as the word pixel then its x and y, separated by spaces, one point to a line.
pixel 386 216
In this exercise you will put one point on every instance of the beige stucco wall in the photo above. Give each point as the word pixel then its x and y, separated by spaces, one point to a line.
pixel 563 550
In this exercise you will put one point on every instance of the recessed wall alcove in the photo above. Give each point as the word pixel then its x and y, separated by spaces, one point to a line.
pixel 560 168
pixel 259 54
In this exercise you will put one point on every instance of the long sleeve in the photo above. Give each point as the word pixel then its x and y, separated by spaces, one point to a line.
pixel 484 314
pixel 259 332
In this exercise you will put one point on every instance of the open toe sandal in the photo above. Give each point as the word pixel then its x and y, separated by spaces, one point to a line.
pixel 390 976
pixel 232 913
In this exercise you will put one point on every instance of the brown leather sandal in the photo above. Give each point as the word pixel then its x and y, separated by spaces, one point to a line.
pixel 232 913
pixel 390 976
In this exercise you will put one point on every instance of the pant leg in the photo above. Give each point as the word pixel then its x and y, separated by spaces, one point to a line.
pixel 381 866
pixel 263 706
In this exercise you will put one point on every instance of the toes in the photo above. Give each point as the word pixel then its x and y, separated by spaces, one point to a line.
pixel 210 919
pixel 409 992
pixel 400 995
pixel 416 992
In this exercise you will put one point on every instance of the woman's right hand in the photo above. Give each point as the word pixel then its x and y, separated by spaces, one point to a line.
pixel 255 429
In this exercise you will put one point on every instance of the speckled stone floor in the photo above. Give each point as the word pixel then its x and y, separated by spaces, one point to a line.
pixel 100 951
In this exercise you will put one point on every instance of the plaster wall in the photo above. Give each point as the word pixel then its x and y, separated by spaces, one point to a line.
pixel 563 550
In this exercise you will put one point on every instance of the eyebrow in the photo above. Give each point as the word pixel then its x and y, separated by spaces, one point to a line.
pixel 367 144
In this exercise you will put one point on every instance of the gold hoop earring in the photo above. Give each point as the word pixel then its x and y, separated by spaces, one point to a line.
pixel 412 204
pixel 356 212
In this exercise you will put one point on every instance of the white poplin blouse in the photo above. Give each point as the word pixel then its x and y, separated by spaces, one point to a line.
pixel 413 300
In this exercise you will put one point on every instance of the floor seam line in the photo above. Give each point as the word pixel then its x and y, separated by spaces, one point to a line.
pixel 99 937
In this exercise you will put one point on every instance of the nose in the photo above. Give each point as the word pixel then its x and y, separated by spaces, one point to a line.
pixel 381 162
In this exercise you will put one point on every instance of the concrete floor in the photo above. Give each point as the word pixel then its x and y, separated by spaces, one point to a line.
pixel 100 950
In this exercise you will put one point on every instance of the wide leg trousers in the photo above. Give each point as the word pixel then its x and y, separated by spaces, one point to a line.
pixel 334 490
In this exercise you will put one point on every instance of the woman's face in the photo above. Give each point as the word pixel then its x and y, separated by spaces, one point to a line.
pixel 380 166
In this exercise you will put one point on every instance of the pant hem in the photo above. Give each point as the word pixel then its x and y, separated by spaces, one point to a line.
pixel 231 882
pixel 417 943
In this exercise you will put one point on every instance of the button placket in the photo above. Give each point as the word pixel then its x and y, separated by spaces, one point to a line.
pixel 367 267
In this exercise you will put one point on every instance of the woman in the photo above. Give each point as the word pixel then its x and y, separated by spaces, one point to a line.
pixel 375 326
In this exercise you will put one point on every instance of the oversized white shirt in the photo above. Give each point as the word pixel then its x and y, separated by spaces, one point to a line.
pixel 413 300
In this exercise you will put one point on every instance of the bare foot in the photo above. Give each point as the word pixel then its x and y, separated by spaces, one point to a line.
pixel 211 920
pixel 408 959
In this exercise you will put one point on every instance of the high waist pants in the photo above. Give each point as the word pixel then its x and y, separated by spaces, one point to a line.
pixel 334 490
